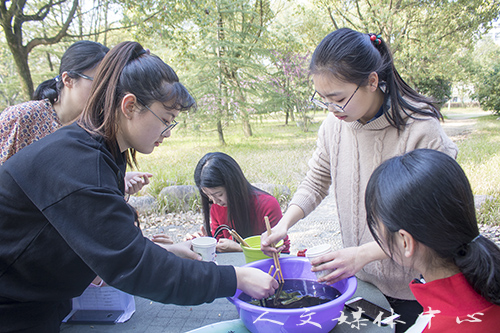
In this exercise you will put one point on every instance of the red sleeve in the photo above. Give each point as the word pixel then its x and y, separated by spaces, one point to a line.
pixel 218 216
pixel 267 205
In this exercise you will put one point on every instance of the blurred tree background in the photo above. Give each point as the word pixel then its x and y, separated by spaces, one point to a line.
pixel 243 59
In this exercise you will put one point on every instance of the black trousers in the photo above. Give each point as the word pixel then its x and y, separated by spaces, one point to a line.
pixel 32 317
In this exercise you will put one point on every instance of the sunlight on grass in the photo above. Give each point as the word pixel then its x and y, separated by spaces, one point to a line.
pixel 479 156
pixel 275 154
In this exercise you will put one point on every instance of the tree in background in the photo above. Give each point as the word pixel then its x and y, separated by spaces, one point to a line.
pixel 50 27
pixel 488 90
pixel 9 82
pixel 15 14
pixel 222 43
pixel 290 87
pixel 485 68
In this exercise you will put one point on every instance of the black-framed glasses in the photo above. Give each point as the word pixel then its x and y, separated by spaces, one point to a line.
pixel 326 105
pixel 168 127
pixel 86 77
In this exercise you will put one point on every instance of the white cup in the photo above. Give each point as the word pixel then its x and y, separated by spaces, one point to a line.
pixel 205 247
pixel 318 251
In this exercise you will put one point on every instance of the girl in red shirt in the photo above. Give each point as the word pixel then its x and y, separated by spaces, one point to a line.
pixel 229 201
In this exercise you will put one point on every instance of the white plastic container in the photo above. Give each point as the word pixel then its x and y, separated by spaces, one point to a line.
pixel 205 247
pixel 318 251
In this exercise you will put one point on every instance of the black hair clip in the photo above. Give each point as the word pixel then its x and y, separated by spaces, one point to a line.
pixel 137 54
pixel 462 250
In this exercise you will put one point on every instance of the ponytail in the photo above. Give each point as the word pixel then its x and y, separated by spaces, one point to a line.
pixel 396 90
pixel 351 56
pixel 479 261
pixel 129 68
pixel 48 89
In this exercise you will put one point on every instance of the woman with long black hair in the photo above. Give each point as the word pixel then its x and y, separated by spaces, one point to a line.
pixel 420 210
pixel 229 201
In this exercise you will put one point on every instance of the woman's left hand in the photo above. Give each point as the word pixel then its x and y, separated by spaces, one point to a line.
pixel 162 239
pixel 346 262
pixel 228 245
pixel 135 181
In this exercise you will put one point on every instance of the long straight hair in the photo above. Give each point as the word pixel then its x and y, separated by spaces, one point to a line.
pixel 128 68
pixel 219 169
pixel 81 56
pixel 351 56
pixel 426 193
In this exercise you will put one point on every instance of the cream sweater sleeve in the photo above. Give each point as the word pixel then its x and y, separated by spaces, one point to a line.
pixel 315 187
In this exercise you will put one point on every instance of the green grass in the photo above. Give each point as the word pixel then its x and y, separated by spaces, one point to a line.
pixel 479 156
pixel 463 111
pixel 275 153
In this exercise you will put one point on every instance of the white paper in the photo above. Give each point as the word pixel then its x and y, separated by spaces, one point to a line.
pixel 104 298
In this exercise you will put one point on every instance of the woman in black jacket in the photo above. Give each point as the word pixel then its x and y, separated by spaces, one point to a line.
pixel 63 219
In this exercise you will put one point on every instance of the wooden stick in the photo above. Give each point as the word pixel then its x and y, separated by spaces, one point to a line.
pixel 268 225
pixel 270 269
pixel 275 255
pixel 238 237
pixel 274 275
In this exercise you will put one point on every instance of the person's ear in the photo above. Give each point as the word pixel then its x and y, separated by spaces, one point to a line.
pixel 373 81
pixel 408 244
pixel 128 104
pixel 67 80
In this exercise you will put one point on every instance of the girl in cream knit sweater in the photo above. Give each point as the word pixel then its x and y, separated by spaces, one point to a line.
pixel 374 115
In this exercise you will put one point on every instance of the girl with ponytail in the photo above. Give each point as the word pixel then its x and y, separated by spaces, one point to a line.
pixel 374 115
pixel 63 217
pixel 420 210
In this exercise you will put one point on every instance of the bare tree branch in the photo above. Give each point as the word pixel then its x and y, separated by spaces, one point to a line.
pixel 62 32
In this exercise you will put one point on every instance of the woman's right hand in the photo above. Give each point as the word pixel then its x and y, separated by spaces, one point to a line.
pixel 255 283
pixel 278 233
pixel 201 233
pixel 293 214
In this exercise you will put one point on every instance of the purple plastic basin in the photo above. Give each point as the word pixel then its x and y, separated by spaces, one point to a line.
pixel 319 318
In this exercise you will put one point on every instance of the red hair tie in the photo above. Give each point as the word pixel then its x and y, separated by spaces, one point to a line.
pixel 376 39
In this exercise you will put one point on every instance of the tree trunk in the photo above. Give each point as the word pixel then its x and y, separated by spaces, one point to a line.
pixel 247 128
pixel 12 20
pixel 221 133
pixel 21 61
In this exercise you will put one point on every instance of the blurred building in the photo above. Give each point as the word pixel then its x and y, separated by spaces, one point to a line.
pixel 494 32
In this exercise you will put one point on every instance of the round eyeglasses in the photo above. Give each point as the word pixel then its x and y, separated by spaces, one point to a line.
pixel 168 127
pixel 336 107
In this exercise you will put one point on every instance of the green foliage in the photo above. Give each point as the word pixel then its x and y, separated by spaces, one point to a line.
pixel 436 87
pixel 488 90
pixel 221 44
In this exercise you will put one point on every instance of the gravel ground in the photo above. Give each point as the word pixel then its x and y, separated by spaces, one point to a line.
pixel 319 227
